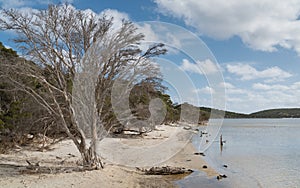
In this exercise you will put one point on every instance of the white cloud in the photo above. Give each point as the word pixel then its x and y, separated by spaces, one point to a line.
pixel 227 85
pixel 261 24
pixel 150 35
pixel 262 96
pixel 296 86
pixel 173 40
pixel 205 90
pixel 159 33
pixel 118 16
pixel 12 3
pixel 247 72
pixel 266 87
pixel 205 67
pixel 231 89
pixel 8 47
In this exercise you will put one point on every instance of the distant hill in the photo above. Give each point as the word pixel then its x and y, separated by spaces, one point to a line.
pixel 221 113
pixel 271 113
pixel 277 113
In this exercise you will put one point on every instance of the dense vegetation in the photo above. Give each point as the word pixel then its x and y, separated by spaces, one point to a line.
pixel 20 114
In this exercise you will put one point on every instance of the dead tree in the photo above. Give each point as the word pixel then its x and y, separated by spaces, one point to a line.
pixel 65 43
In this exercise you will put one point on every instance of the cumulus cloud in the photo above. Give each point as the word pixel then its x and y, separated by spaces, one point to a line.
pixel 231 89
pixel 262 96
pixel 149 33
pixel 261 24
pixel 167 34
pixel 247 72
pixel 205 67
pixel 13 3
pixel 262 92
pixel 296 86
pixel 266 87
pixel 277 95
pixel 118 16
pixel 204 90
pixel 226 85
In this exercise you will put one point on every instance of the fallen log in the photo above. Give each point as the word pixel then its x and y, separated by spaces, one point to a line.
pixel 35 168
pixel 54 170
pixel 167 170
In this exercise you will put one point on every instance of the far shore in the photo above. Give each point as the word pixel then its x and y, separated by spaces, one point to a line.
pixel 113 175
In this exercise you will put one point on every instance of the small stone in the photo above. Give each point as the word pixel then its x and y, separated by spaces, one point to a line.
pixel 204 166
pixel 225 166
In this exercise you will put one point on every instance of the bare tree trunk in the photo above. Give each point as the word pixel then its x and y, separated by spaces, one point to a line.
pixel 92 157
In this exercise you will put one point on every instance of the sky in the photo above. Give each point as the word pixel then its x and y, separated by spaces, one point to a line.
pixel 243 56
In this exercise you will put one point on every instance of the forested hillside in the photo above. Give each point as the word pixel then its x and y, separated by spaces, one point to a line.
pixel 271 113
pixel 277 113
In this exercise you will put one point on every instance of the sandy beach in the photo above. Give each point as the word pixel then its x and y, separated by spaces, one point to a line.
pixel 114 174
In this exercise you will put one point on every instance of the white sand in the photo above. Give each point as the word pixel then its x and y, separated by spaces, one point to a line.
pixel 165 146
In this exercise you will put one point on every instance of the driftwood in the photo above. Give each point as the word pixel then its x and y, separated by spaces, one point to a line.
pixel 35 168
pixel 199 153
pixel 220 176
pixel 54 170
pixel 167 170
pixel 187 127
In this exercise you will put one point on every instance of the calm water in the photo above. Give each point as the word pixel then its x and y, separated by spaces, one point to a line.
pixel 258 152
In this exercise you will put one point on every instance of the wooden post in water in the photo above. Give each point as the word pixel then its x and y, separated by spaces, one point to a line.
pixel 221 141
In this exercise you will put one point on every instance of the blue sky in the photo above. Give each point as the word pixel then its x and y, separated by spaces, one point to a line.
pixel 254 44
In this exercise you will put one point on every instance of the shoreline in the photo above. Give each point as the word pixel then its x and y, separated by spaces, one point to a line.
pixel 112 175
